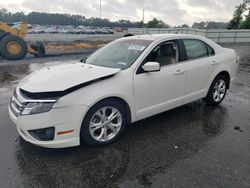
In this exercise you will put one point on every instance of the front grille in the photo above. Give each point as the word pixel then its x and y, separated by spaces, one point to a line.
pixel 20 100
pixel 16 105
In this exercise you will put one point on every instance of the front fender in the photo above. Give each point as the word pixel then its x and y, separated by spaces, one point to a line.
pixel 116 86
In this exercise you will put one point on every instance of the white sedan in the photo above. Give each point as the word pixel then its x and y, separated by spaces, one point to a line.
pixel 128 80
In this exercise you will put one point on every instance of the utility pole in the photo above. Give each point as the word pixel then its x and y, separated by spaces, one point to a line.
pixel 100 9
pixel 143 19
pixel 143 12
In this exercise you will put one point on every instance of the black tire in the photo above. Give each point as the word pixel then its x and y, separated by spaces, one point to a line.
pixel 85 132
pixel 39 48
pixel 2 35
pixel 209 99
pixel 9 56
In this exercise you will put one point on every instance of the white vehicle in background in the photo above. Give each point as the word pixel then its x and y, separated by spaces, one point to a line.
pixel 62 31
pixel 127 80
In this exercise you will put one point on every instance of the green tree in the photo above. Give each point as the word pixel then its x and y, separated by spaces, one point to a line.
pixel 184 26
pixel 246 23
pixel 238 16
pixel 200 25
pixel 140 24
pixel 155 23
pixel 61 19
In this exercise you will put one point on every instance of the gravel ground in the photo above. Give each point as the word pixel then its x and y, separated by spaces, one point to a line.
pixel 58 44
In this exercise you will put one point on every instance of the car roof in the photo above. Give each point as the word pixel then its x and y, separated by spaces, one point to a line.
pixel 154 37
pixel 159 37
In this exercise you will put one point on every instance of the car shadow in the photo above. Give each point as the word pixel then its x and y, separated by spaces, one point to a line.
pixel 148 147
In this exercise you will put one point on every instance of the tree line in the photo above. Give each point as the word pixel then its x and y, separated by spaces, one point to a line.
pixel 239 20
pixel 76 20
pixel 61 19
pixel 42 18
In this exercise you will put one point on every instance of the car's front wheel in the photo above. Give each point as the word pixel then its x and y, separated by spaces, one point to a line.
pixel 103 123
pixel 217 91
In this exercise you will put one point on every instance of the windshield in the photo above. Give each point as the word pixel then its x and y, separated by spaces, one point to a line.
pixel 118 54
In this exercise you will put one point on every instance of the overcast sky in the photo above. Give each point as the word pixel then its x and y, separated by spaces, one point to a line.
pixel 173 12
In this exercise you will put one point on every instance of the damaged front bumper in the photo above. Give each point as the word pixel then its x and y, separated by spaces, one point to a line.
pixel 57 128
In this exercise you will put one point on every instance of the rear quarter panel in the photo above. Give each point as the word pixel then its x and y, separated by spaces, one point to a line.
pixel 227 61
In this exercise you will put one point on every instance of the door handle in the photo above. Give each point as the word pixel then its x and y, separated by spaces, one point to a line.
pixel 179 71
pixel 215 63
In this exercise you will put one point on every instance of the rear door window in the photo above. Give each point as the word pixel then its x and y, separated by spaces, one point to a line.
pixel 210 50
pixel 197 49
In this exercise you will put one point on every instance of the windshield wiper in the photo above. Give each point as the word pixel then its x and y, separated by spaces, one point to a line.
pixel 83 60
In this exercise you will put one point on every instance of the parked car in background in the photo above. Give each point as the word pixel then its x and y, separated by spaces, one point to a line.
pixel 118 30
pixel 37 29
pixel 127 80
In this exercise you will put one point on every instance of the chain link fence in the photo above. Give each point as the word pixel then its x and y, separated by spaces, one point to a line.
pixel 217 35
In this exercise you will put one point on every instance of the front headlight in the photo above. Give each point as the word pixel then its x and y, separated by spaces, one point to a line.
pixel 37 107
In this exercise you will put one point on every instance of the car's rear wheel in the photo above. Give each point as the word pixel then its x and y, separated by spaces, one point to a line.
pixel 217 91
pixel 103 123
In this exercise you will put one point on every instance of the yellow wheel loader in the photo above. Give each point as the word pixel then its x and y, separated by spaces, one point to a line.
pixel 12 44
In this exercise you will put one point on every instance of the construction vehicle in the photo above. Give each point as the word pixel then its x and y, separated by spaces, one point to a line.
pixel 12 44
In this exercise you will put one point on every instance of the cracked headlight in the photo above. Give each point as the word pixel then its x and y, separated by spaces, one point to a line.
pixel 37 107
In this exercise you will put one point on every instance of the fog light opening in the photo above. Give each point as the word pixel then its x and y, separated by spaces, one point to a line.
pixel 46 134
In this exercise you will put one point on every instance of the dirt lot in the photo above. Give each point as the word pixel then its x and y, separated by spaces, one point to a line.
pixel 191 146
pixel 71 43
pixel 67 38
pixel 60 46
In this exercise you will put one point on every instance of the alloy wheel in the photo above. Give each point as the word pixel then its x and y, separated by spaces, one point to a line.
pixel 105 124
pixel 219 90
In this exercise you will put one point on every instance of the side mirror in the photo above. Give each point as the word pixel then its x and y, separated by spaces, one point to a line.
pixel 151 67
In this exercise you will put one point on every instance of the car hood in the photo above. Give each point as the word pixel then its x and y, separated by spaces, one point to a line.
pixel 64 76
